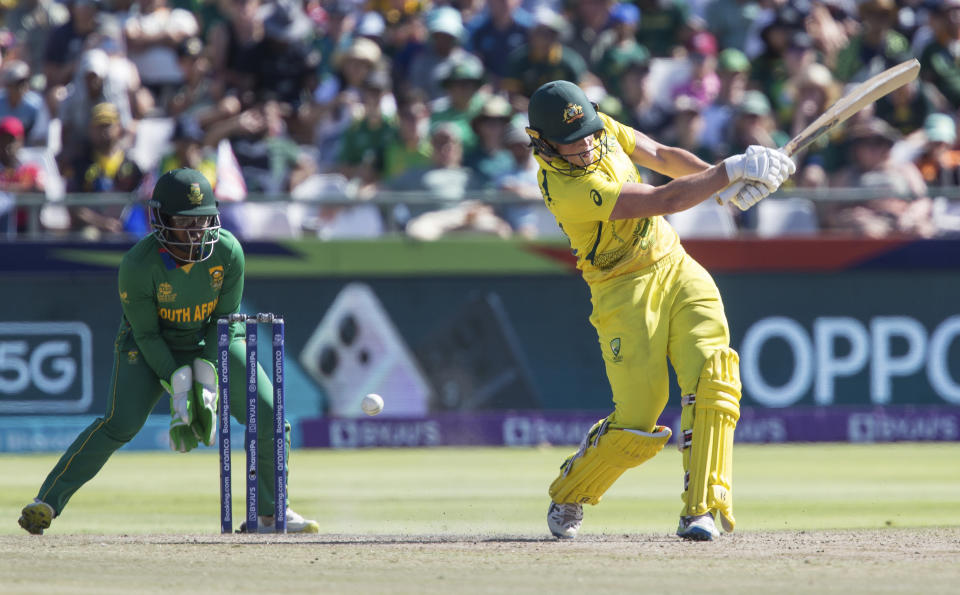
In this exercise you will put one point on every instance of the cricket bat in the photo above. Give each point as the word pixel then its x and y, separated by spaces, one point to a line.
pixel 858 98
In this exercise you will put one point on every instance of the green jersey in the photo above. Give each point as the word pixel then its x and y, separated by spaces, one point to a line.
pixel 172 306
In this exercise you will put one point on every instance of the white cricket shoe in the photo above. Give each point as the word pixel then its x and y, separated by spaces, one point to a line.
pixel 295 524
pixel 564 519
pixel 698 528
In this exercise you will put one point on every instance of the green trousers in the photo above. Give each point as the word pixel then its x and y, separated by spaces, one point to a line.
pixel 134 392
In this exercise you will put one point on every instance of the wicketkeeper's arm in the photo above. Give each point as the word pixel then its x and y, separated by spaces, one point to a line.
pixel 231 293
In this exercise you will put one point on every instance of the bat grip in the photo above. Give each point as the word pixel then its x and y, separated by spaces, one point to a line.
pixel 728 193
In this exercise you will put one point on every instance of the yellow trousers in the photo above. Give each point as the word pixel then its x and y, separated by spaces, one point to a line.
pixel 671 309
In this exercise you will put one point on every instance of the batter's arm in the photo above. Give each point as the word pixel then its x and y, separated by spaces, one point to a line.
pixel 669 161
pixel 638 200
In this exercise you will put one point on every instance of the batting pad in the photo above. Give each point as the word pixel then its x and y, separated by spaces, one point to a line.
pixel 708 461
pixel 602 458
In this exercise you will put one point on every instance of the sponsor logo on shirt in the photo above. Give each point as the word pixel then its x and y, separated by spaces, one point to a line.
pixel 165 293
pixel 216 277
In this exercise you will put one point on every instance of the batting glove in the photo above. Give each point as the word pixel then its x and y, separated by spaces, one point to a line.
pixel 742 194
pixel 179 387
pixel 205 399
pixel 760 164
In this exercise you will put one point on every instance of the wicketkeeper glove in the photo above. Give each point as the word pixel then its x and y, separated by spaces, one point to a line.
pixel 183 438
pixel 204 397
pixel 179 387
pixel 760 164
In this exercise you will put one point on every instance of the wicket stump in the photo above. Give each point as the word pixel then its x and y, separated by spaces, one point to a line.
pixel 251 446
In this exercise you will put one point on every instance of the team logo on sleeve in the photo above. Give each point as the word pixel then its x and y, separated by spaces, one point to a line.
pixel 596 198
pixel 124 297
pixel 572 113
pixel 216 277
pixel 615 349
pixel 165 293
pixel 195 195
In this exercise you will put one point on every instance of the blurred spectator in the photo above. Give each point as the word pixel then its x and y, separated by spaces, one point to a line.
pixel 703 86
pixel 754 124
pixel 445 26
pixel 730 20
pixel 521 179
pixel 122 72
pixel 332 35
pixel 906 108
pixel 66 42
pixel 103 166
pixel 372 26
pixel 15 176
pixel 154 31
pixel 445 177
pixel 447 180
pixel 640 109
pixel 811 94
pixel 830 25
pixel 489 158
pixel 877 47
pixel 91 85
pixel 17 99
pixel 497 35
pixel 271 162
pixel 733 68
pixel 769 71
pixel 363 152
pixel 664 25
pixel 411 148
pixel 462 80
pixel 232 43
pixel 938 61
pixel 282 62
pixel 939 160
pixel 873 168
pixel 686 130
pixel 543 59
pixel 198 96
pixel 32 22
pixel 617 47
pixel 338 102
pixel 589 19
pixel 187 150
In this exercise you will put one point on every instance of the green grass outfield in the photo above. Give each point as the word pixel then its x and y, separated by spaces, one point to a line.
pixel 490 491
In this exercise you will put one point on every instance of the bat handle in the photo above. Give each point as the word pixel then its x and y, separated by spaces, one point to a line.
pixel 728 193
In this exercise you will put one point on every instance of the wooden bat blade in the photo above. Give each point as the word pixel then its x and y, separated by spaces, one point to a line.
pixel 858 98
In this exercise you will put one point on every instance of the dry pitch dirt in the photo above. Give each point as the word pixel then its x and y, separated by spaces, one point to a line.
pixel 849 562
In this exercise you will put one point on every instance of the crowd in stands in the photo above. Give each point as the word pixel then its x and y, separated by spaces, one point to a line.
pixel 339 103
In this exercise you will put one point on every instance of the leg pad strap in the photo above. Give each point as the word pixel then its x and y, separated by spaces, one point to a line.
pixel 603 456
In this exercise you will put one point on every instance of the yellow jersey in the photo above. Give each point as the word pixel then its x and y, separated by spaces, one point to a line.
pixel 582 205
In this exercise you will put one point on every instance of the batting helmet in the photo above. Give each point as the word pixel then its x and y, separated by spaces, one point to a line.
pixel 560 113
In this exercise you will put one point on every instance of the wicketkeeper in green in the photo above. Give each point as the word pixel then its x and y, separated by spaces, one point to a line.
pixel 174 284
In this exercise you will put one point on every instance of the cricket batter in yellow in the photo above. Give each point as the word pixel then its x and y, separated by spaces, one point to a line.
pixel 651 301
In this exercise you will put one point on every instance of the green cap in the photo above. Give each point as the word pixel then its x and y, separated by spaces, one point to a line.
pixel 184 191
pixel 561 113
pixel 756 103
pixel 733 60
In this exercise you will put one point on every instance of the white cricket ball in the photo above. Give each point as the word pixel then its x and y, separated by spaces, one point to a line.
pixel 372 404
